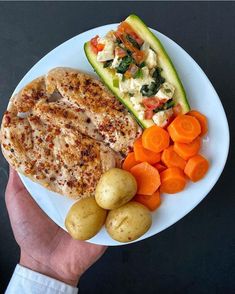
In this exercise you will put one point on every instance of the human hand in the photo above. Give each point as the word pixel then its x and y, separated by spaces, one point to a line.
pixel 45 247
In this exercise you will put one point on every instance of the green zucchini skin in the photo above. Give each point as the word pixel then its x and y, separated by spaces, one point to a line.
pixel 169 72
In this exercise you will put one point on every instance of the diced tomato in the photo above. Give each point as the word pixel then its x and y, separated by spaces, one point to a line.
pixel 129 45
pixel 124 27
pixel 136 38
pixel 132 70
pixel 118 34
pixel 152 102
pixel 139 56
pixel 94 43
pixel 148 113
pixel 120 52
pixel 139 40
pixel 100 47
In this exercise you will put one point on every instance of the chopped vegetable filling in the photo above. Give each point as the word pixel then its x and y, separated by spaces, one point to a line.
pixel 138 76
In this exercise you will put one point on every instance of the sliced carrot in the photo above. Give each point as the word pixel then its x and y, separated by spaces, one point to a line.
pixel 184 129
pixel 129 161
pixel 147 177
pixel 171 159
pixel 155 139
pixel 160 167
pixel 188 150
pixel 202 120
pixel 150 201
pixel 196 167
pixel 173 180
pixel 142 154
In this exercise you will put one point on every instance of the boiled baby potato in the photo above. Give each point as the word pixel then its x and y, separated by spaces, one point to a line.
pixel 128 222
pixel 115 188
pixel 84 219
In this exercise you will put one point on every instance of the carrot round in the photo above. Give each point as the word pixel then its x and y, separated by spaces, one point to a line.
pixel 142 154
pixel 160 167
pixel 150 201
pixel 147 177
pixel 171 159
pixel 196 167
pixel 184 129
pixel 202 120
pixel 129 161
pixel 173 180
pixel 188 150
pixel 155 139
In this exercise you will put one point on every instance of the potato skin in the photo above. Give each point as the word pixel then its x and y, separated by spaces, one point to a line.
pixel 115 188
pixel 128 222
pixel 84 219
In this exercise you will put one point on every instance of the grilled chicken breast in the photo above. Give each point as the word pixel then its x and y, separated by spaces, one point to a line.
pixel 54 133
pixel 113 122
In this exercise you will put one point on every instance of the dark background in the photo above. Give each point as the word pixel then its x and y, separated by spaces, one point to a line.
pixel 196 255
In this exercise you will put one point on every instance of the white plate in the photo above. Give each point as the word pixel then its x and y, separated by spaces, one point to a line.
pixel 201 95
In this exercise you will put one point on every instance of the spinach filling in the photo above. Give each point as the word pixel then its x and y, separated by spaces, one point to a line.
pixel 124 65
pixel 149 90
pixel 152 89
pixel 108 63
pixel 170 103
pixel 157 77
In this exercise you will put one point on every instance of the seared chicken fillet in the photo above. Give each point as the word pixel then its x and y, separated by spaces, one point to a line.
pixel 116 126
pixel 63 131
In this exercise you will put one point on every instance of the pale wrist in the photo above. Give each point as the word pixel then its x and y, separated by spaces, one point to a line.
pixel 29 262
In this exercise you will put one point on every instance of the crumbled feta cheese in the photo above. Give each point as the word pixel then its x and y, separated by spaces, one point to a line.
pixel 133 86
pixel 125 86
pixel 136 101
pixel 161 118
pixel 166 91
pixel 108 52
pixel 151 59
pixel 151 56
pixel 116 62
pixel 145 46
pixel 145 72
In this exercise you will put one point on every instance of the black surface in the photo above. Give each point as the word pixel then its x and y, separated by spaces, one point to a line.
pixel 196 255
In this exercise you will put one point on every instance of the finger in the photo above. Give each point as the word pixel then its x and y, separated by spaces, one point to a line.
pixel 18 199
pixel 24 213
pixel 14 186
pixel 14 179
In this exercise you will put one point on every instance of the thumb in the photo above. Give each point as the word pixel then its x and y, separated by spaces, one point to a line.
pixel 14 186
pixel 14 181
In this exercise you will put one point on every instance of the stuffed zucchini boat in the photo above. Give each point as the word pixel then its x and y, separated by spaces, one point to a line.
pixel 132 62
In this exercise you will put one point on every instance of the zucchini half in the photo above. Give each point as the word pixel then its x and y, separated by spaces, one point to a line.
pixel 164 61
